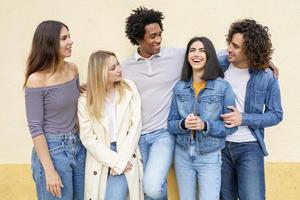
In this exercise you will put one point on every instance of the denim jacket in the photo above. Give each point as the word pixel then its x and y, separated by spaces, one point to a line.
pixel 210 103
pixel 262 101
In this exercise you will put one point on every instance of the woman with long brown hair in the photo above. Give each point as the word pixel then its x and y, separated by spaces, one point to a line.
pixel 51 94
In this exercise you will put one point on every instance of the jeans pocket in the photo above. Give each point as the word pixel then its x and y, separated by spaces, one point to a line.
pixel 56 147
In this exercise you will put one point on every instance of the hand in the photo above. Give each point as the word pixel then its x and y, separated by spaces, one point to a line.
pixel 274 69
pixel 233 118
pixel 193 122
pixel 83 88
pixel 128 167
pixel 113 172
pixel 53 183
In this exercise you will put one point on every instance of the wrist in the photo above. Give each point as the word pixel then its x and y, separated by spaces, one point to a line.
pixel 182 124
pixel 49 169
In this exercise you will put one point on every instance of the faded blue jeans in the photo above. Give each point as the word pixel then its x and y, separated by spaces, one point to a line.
pixel 116 186
pixel 68 157
pixel 243 174
pixel 157 150
pixel 194 169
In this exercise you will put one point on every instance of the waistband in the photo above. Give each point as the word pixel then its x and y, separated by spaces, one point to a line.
pixel 68 135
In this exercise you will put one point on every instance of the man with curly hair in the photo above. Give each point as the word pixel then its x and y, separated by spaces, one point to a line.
pixel 155 71
pixel 258 106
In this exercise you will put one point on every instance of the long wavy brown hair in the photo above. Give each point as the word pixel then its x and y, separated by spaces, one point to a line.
pixel 44 52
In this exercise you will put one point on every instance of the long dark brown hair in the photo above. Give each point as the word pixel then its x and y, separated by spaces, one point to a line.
pixel 211 69
pixel 45 48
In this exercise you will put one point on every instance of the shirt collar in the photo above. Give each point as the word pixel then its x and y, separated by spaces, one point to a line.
pixel 138 57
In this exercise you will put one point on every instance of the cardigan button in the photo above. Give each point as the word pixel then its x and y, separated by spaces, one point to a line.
pixel 95 173
pixel 134 155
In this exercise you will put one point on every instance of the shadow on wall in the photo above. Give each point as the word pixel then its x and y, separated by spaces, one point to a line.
pixel 283 182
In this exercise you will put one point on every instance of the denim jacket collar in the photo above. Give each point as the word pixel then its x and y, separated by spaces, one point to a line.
pixel 209 84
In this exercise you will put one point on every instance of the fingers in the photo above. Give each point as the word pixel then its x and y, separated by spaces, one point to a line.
pixel 194 123
pixel 230 114
pixel 128 167
pixel 232 108
pixel 61 184
pixel 55 190
pixel 54 183
pixel 230 125
pixel 83 88
pixel 113 172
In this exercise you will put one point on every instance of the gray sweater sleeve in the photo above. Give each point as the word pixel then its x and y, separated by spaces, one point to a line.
pixel 34 101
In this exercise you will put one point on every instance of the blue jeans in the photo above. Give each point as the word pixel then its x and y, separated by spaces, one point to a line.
pixel 157 150
pixel 192 168
pixel 116 186
pixel 68 157
pixel 243 174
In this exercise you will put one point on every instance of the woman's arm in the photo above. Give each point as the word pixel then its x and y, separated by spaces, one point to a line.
pixel 34 101
pixel 53 181
pixel 217 128
pixel 174 119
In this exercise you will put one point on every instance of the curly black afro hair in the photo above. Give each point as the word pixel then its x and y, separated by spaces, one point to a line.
pixel 136 22
pixel 257 42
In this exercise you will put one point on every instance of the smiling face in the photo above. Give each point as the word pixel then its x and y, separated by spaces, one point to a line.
pixel 65 43
pixel 114 70
pixel 197 56
pixel 150 44
pixel 236 52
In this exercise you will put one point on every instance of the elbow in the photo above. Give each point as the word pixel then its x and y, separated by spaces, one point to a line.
pixel 278 117
pixel 170 128
pixel 174 128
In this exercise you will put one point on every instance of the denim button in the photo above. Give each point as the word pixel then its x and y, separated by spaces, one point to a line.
pixel 95 173
pixel 133 155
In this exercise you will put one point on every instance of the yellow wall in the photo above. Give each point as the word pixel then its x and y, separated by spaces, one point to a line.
pixel 282 180
pixel 99 24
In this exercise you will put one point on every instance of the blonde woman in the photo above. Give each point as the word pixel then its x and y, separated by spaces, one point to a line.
pixel 110 124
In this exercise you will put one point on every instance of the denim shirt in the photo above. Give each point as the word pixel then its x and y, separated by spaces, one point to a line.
pixel 262 101
pixel 211 102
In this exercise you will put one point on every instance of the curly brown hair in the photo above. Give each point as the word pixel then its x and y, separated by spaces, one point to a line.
pixel 257 43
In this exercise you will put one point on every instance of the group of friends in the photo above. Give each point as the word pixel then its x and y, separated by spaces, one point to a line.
pixel 116 136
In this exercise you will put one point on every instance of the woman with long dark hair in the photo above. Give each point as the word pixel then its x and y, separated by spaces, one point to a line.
pixel 199 98
pixel 51 95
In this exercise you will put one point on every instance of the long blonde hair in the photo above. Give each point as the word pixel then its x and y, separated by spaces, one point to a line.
pixel 97 81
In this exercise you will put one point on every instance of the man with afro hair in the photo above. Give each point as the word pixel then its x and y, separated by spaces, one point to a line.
pixel 257 97
pixel 155 71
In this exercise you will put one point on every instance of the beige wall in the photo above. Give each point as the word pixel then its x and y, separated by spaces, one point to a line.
pixel 99 24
